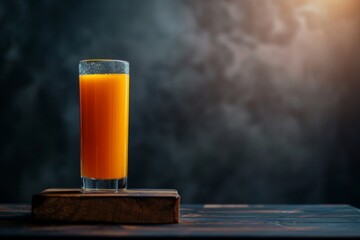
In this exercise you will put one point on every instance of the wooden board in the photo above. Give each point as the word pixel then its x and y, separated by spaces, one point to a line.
pixel 200 221
pixel 128 206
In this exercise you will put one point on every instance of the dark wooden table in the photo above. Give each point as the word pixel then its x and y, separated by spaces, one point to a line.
pixel 219 221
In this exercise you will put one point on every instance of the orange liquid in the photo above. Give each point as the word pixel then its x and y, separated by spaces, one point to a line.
pixel 104 119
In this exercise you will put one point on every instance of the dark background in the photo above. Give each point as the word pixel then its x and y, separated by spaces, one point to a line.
pixel 231 101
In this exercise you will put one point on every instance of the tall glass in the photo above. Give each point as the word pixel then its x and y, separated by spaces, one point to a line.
pixel 104 120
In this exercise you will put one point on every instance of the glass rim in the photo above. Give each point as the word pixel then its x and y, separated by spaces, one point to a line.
pixel 103 60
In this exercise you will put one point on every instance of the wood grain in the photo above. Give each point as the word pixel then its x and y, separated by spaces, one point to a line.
pixel 200 221
pixel 129 206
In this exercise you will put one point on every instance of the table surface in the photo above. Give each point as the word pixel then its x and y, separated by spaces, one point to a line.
pixel 209 220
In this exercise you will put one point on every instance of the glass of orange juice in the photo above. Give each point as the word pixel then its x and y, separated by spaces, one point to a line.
pixel 104 121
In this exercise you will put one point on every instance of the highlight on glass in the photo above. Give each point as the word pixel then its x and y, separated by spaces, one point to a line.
pixel 104 124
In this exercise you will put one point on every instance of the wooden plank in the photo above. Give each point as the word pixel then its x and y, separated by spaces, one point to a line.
pixel 128 206
pixel 199 221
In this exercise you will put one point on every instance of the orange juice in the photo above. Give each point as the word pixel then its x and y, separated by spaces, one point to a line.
pixel 104 110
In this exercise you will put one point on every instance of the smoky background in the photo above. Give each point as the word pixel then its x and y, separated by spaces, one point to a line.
pixel 230 101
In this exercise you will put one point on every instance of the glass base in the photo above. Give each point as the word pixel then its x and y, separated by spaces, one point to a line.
pixel 103 185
